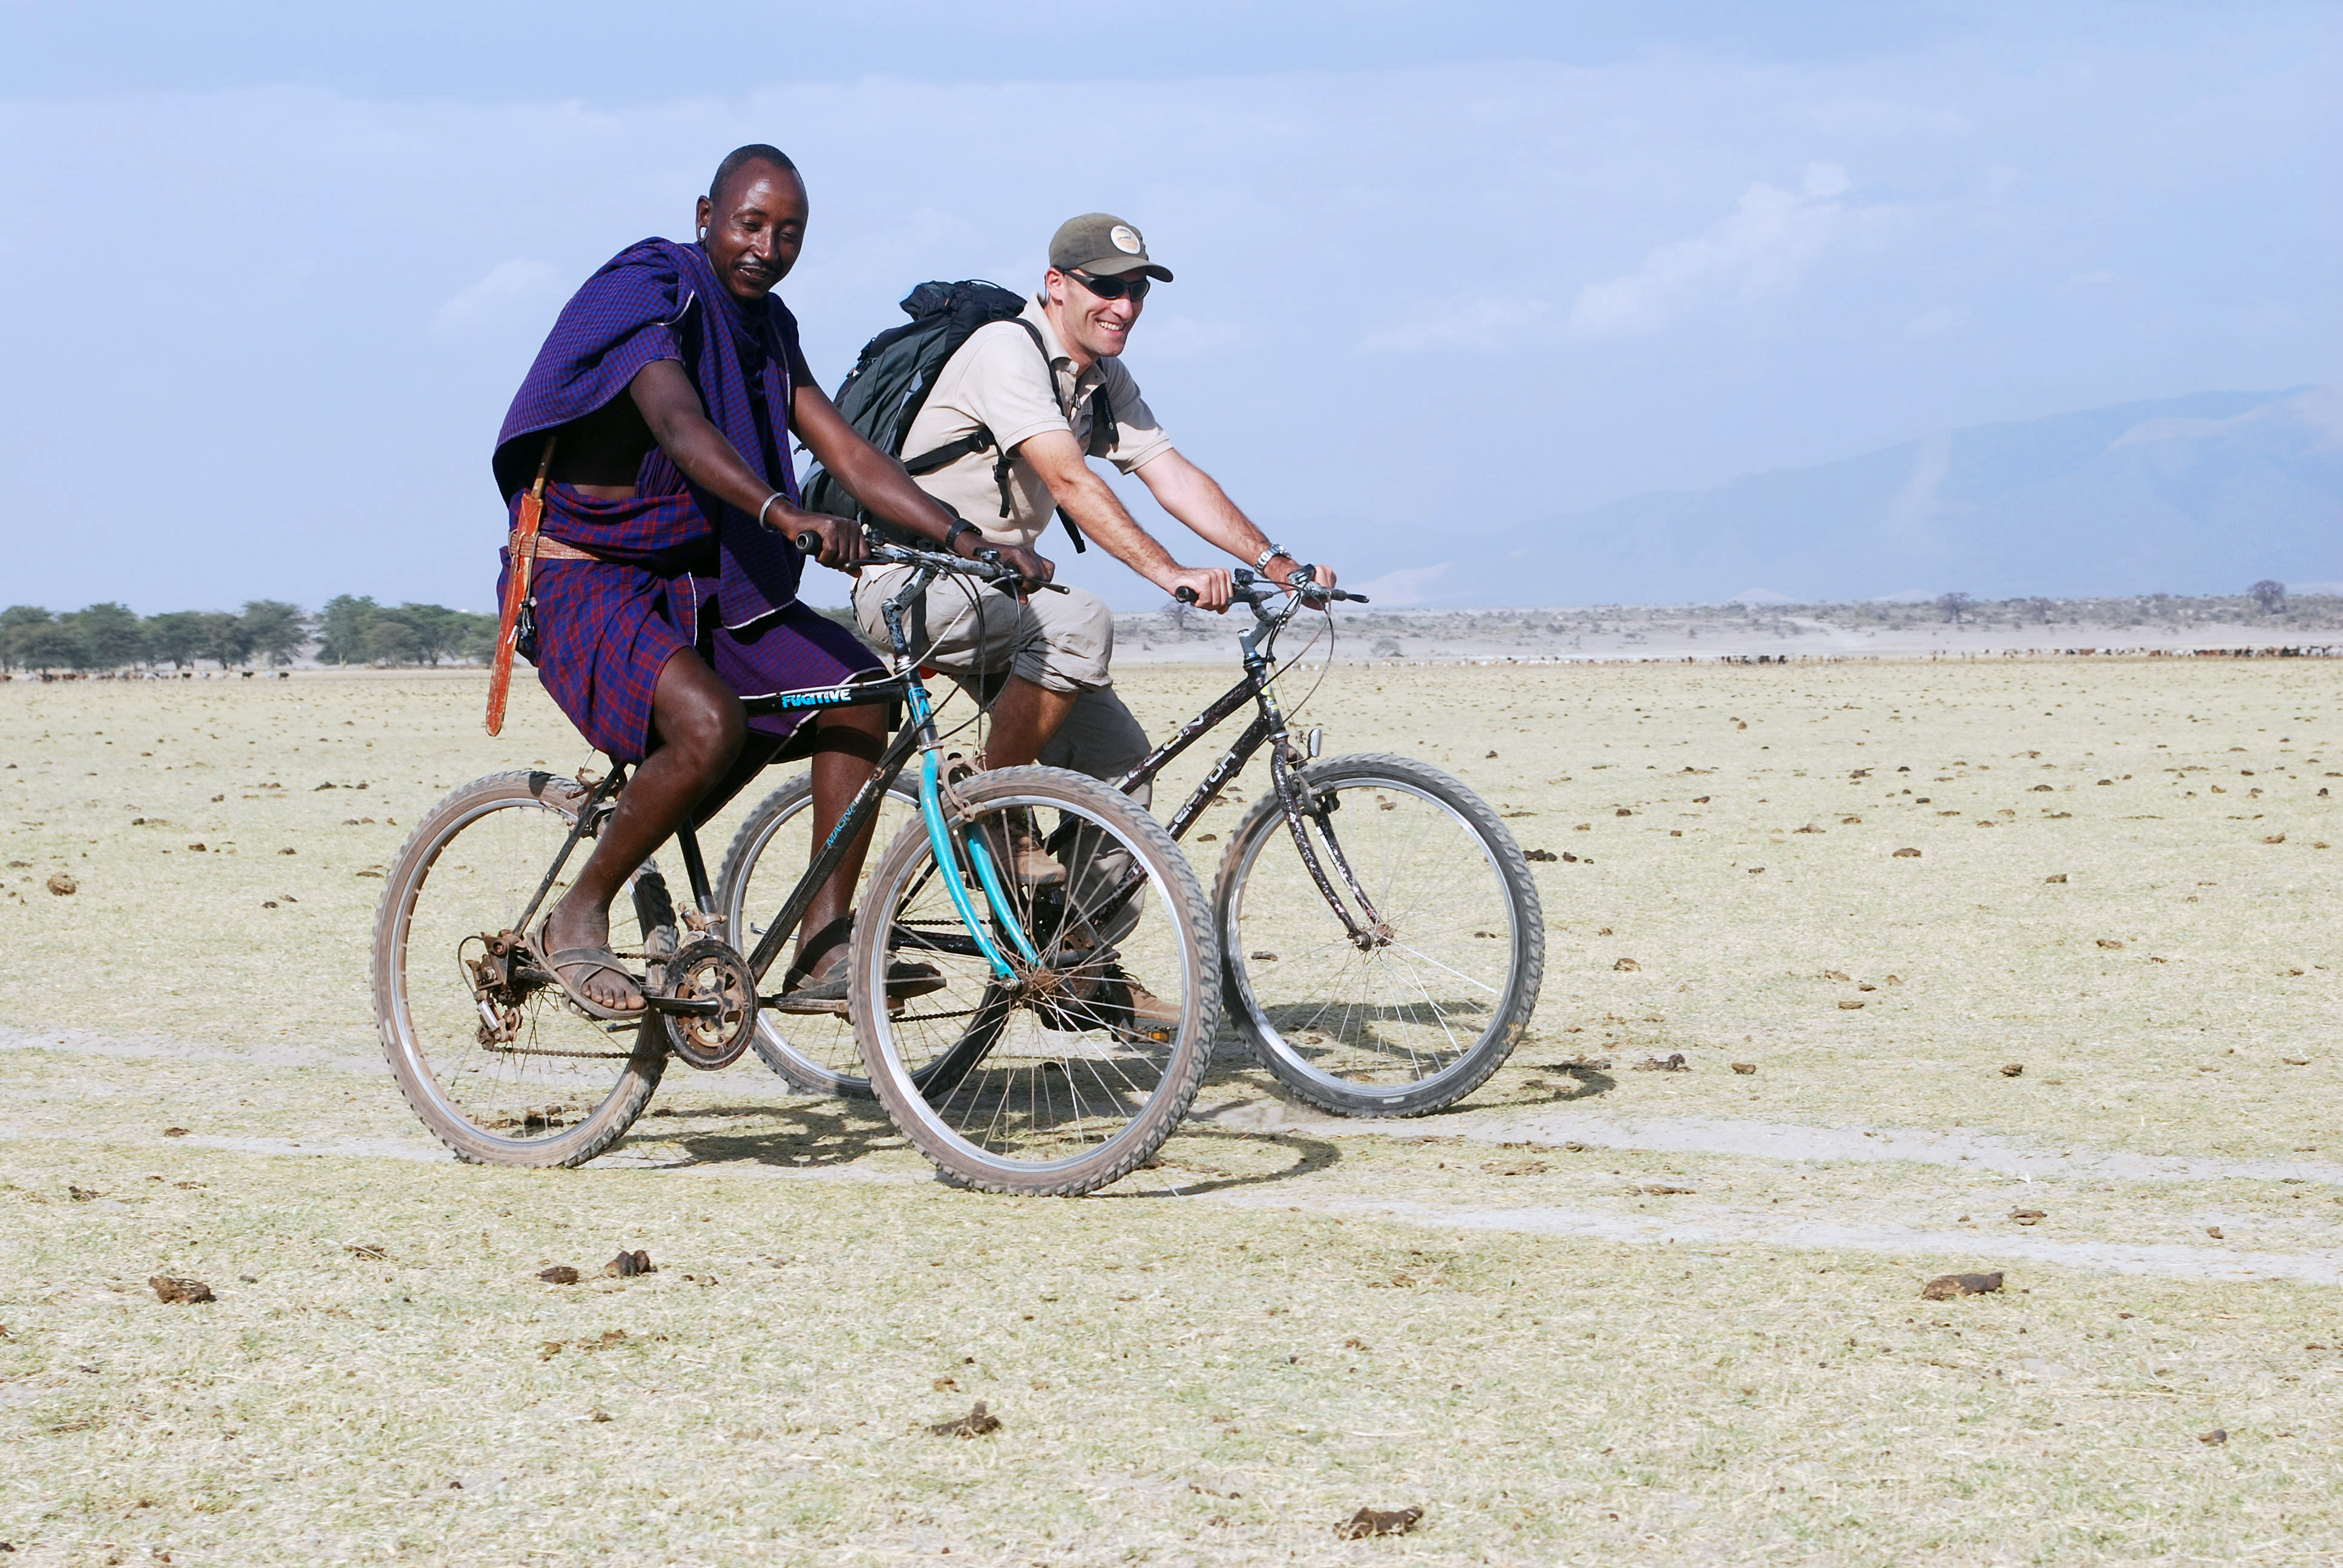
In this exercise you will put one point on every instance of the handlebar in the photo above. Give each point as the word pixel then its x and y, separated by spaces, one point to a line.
pixel 1252 591
pixel 985 563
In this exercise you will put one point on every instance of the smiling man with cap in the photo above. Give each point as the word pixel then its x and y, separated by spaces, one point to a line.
pixel 1031 421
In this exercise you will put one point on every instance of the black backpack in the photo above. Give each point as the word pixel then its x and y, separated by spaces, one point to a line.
pixel 896 370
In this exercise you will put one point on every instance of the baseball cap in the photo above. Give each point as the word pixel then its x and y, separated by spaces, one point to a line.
pixel 1101 243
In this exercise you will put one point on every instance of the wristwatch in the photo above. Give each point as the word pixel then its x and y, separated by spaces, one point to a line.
pixel 1261 562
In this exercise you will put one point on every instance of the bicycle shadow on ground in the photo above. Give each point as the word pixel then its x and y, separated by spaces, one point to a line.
pixel 1578 1083
pixel 1190 1164
pixel 809 1134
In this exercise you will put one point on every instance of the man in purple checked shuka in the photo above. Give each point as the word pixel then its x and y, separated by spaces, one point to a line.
pixel 659 417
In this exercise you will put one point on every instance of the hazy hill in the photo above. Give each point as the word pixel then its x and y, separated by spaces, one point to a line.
pixel 2188 495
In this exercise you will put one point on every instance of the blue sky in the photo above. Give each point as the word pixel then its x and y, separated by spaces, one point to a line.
pixel 1444 270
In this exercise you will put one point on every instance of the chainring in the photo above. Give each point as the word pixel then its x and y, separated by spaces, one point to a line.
pixel 706 969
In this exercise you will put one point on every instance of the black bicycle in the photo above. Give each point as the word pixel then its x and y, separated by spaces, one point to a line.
pixel 1386 967
pixel 992 1000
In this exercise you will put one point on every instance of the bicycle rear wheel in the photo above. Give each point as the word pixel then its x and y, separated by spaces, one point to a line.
pixel 1418 1014
pixel 816 1052
pixel 531 1081
pixel 1071 1071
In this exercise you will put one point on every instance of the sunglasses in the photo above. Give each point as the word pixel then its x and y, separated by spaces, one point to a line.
pixel 1115 287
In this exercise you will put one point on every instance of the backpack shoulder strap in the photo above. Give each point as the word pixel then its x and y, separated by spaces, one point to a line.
pixel 1050 374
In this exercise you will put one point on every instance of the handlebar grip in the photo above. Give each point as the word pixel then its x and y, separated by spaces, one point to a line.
pixel 808 543
pixel 1184 593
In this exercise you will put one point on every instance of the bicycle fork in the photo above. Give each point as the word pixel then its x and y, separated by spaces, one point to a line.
pixel 949 848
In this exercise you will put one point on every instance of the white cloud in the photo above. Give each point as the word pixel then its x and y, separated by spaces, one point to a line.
pixel 1407 585
pixel 1762 247
pixel 1465 321
pixel 511 294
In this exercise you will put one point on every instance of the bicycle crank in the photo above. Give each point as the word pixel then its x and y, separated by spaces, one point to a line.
pixel 709 1005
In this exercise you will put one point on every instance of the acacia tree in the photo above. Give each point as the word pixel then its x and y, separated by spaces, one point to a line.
pixel 111 635
pixel 2269 594
pixel 225 640
pixel 15 623
pixel 175 637
pixel 1953 605
pixel 273 630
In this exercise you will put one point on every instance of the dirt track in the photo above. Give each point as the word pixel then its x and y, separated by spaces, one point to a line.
pixel 1490 1314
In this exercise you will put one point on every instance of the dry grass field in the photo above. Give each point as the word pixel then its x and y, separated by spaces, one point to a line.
pixel 1594 1316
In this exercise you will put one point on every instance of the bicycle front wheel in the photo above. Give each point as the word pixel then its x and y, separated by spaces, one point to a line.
pixel 503 1070
pixel 1415 1012
pixel 815 1051
pixel 1071 1070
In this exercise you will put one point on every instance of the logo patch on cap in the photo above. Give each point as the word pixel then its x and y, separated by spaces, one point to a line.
pixel 1125 239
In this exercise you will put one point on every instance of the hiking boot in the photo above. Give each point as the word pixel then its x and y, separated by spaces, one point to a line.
pixel 1017 850
pixel 1150 1016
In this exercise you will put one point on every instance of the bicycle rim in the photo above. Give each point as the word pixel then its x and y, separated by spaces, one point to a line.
pixel 1065 1077
pixel 544 1085
pixel 1423 1009
pixel 816 1052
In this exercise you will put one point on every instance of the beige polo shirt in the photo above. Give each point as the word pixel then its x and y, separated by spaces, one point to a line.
pixel 997 381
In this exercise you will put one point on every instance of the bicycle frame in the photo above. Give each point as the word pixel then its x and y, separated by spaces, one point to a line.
pixel 1258 687
pixel 918 734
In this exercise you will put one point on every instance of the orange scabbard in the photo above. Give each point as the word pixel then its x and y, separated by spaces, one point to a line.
pixel 517 584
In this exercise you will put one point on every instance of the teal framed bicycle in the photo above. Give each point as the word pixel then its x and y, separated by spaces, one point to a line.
pixel 1013 1061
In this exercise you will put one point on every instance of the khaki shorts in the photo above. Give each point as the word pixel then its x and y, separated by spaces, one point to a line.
pixel 1061 642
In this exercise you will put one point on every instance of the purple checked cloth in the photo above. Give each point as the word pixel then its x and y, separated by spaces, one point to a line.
pixel 660 300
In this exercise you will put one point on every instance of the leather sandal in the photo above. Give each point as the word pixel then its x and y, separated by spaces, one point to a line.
pixel 593 962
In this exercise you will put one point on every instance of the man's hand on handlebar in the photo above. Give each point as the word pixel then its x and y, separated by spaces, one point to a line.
pixel 1205 587
pixel 1031 568
pixel 835 541
pixel 1283 568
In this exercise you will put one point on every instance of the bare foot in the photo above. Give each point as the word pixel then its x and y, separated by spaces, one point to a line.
pixel 574 923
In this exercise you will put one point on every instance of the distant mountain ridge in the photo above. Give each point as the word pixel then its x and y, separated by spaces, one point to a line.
pixel 2201 494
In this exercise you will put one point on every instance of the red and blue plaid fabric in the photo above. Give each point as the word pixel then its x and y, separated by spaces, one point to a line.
pixel 605 632
pixel 660 300
pixel 683 570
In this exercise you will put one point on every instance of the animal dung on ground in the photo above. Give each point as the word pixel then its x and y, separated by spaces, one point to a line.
pixel 627 1265
pixel 1848 1004
pixel 1674 1063
pixel 2028 1216
pixel 2014 1070
pixel 174 1133
pixel 976 1422
pixel 82 1194
pixel 1905 854
pixel 2213 1438
pixel 2055 876
pixel 2111 944
pixel 2214 1231
pixel 1745 1068
pixel 1834 974
pixel 1369 1522
pixel 2275 839
pixel 1260 957
pixel 1537 855
pixel 1626 966
pixel 61 885
pixel 559 1274
pixel 180 1292
pixel 1662 1189
pixel 1944 1287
